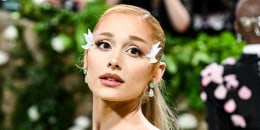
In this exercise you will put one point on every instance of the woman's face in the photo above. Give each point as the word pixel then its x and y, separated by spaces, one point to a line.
pixel 118 69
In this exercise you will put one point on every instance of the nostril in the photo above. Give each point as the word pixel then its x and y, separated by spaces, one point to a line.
pixel 113 64
pixel 117 66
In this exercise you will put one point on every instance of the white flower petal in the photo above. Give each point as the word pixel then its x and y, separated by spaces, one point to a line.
pixel 187 121
pixel 153 52
pixel 33 113
pixel 82 121
pixel 4 57
pixel 57 44
pixel 89 40
pixel 75 127
pixel 38 2
pixel 10 32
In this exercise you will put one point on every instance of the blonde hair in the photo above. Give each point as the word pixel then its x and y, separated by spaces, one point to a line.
pixel 155 109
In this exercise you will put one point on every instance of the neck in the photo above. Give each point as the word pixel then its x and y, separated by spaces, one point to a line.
pixel 253 41
pixel 116 115
pixel 251 38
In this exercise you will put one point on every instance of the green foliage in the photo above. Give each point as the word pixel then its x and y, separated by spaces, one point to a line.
pixel 54 103
pixel 61 20
pixel 44 67
pixel 185 58
pixel 44 79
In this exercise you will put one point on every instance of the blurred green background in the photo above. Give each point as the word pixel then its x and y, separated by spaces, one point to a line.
pixel 42 86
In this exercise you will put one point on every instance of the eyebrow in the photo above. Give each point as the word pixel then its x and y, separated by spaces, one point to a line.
pixel 135 38
pixel 131 37
pixel 107 34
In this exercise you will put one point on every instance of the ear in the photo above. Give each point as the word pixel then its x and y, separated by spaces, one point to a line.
pixel 236 26
pixel 159 71
pixel 85 60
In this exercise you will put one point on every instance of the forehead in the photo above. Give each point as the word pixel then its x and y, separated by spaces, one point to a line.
pixel 122 16
pixel 124 23
pixel 250 8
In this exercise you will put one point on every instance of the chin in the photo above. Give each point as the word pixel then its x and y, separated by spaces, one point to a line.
pixel 113 97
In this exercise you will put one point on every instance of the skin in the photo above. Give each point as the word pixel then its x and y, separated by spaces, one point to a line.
pixel 178 14
pixel 118 40
pixel 248 8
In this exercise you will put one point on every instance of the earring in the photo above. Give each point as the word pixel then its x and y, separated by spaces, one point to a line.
pixel 239 38
pixel 85 73
pixel 151 85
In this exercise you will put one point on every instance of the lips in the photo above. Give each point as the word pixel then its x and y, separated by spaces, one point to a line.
pixel 111 80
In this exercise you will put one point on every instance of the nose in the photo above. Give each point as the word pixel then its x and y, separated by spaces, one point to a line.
pixel 114 64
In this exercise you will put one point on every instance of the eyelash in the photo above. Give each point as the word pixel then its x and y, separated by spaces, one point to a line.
pixel 103 45
pixel 136 50
pixel 132 50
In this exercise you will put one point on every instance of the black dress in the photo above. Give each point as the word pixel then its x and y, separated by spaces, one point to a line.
pixel 231 92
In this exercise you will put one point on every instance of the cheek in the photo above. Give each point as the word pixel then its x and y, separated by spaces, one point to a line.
pixel 140 76
pixel 140 73
pixel 95 59
pixel 95 66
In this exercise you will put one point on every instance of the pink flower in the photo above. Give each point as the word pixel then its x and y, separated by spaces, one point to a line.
pixel 244 93
pixel 220 92
pixel 230 106
pixel 230 77
pixel 238 120
pixel 217 79
pixel 229 61
pixel 212 72
pixel 203 96
pixel 232 82
pixel 205 81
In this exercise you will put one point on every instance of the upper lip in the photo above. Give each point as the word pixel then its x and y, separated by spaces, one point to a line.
pixel 112 77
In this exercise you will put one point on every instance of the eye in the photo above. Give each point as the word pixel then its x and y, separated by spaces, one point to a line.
pixel 134 51
pixel 103 45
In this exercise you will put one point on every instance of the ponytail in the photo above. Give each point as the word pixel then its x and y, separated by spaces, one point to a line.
pixel 157 111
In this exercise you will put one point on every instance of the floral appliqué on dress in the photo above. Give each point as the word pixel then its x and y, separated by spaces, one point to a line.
pixel 225 83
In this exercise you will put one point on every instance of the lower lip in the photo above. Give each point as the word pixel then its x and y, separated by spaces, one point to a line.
pixel 110 83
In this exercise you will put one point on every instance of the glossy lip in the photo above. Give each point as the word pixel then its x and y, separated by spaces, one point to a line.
pixel 111 80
